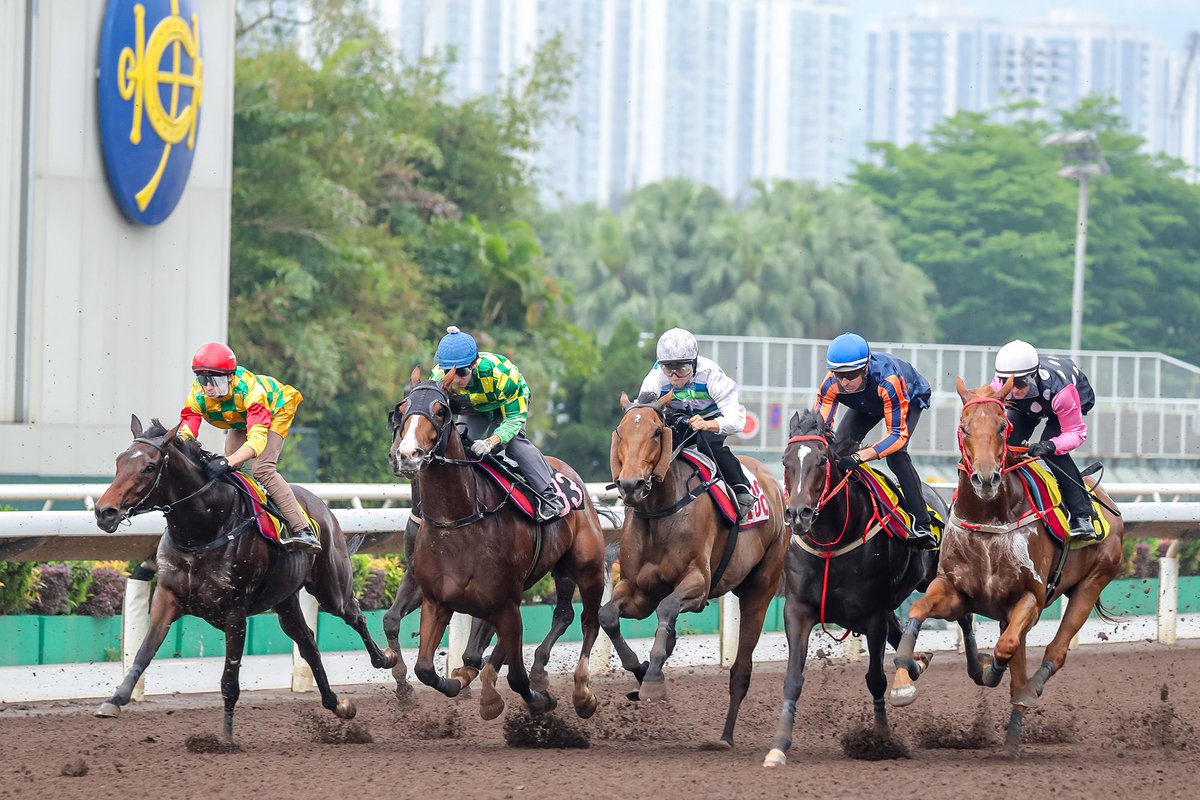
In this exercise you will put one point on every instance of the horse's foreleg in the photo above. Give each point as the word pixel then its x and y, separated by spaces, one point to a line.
pixel 508 631
pixel 164 609
pixel 689 595
pixel 235 644
pixel 1023 616
pixel 629 603
pixel 942 601
pixel 798 621
pixel 472 657
pixel 291 620
pixel 434 619
pixel 877 684
pixel 754 597
pixel 1018 683
pixel 564 615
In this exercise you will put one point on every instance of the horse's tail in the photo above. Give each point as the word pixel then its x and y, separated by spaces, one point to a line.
pixel 355 542
pixel 1105 613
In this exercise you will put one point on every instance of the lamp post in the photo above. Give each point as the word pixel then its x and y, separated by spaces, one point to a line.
pixel 1081 158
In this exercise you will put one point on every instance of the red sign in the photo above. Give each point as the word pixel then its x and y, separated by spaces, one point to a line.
pixel 750 429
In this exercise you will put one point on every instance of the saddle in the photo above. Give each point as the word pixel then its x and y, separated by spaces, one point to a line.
pixel 893 519
pixel 508 477
pixel 1045 498
pixel 270 521
pixel 721 493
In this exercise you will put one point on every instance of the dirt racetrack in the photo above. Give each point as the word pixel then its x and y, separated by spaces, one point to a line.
pixel 1118 722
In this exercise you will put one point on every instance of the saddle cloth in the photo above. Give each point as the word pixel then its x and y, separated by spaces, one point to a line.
pixel 270 525
pixel 523 496
pixel 1046 496
pixel 723 496
pixel 894 520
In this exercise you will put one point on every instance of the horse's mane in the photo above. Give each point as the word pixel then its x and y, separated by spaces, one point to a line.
pixel 645 398
pixel 810 423
pixel 190 447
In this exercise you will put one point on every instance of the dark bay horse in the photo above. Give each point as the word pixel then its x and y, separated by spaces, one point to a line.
pixel 671 547
pixel 475 552
pixel 997 560
pixel 841 567
pixel 213 563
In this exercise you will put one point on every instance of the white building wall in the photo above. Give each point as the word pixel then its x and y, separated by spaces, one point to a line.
pixel 116 309
pixel 12 189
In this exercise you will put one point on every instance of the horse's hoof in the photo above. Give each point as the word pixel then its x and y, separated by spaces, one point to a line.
pixel 491 710
pixel 345 708
pixel 903 691
pixel 389 659
pixel 539 681
pixel 405 694
pixel 1025 699
pixel 635 695
pixel 541 703
pixel 640 671
pixel 587 708
pixel 108 711
pixel 719 746
pixel 654 690
pixel 775 758
pixel 1012 753
pixel 400 672
pixel 491 704
pixel 465 675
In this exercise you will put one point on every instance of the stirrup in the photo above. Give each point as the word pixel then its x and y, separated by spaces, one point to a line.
pixel 922 539
pixel 304 540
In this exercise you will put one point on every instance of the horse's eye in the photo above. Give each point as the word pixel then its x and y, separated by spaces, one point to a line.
pixel 658 433
pixel 149 468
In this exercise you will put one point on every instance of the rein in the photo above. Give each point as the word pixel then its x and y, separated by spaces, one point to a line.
pixel 135 509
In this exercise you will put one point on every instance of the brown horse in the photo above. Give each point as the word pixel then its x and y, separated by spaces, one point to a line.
pixel 213 563
pixel 998 559
pixel 671 547
pixel 475 552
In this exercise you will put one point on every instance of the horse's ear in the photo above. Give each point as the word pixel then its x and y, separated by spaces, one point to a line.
pixel 962 389
pixel 614 458
pixel 625 402
pixel 415 377
pixel 171 434
pixel 664 455
pixel 135 425
pixel 446 380
pixel 666 398
pixel 1006 387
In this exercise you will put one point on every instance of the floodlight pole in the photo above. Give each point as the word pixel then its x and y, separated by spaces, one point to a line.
pixel 1080 252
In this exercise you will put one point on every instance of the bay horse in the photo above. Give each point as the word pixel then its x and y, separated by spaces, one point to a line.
pixel 214 564
pixel 841 568
pixel 998 558
pixel 476 553
pixel 672 548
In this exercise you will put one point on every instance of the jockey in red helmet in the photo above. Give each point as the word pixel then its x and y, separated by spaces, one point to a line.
pixel 257 412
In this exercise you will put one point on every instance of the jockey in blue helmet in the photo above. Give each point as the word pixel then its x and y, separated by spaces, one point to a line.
pixel 878 387
pixel 499 400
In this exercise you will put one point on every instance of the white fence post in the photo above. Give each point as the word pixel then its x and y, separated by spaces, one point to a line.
pixel 853 648
pixel 731 620
pixel 302 677
pixel 460 632
pixel 135 622
pixel 1168 593
pixel 601 660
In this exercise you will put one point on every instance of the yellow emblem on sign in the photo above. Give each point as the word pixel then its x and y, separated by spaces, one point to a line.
pixel 139 75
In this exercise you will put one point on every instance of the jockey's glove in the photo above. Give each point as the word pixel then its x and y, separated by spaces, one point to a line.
pixel 482 447
pixel 216 467
pixel 849 461
pixel 1042 448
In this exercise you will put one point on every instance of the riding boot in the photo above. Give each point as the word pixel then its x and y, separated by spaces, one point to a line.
pixel 551 505
pixel 921 537
pixel 303 539
pixel 1075 497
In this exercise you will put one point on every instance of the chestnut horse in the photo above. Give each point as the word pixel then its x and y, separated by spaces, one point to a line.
pixel 997 559
pixel 841 568
pixel 213 563
pixel 476 552
pixel 671 547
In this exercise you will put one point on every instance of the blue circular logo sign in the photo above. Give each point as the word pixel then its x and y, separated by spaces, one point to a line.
pixel 150 88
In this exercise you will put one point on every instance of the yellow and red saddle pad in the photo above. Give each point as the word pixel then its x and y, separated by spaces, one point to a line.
pixel 894 520
pixel 269 525
pixel 1046 497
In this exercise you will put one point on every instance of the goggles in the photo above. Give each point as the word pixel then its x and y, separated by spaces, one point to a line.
pixel 676 367
pixel 462 372
pixel 850 375
pixel 1025 381
pixel 216 380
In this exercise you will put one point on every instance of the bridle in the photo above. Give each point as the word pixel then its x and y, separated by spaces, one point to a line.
pixel 136 509
pixel 965 463
pixel 826 492
pixel 653 478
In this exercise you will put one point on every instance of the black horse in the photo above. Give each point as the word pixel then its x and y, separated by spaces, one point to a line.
pixel 841 569
pixel 213 563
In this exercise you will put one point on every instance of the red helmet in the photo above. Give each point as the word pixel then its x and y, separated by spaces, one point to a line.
pixel 214 357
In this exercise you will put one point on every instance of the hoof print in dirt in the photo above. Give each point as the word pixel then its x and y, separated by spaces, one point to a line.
pixel 210 743
pixel 868 744
pixel 542 731
pixel 75 769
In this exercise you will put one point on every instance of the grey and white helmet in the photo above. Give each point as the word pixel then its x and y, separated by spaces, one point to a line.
pixel 677 345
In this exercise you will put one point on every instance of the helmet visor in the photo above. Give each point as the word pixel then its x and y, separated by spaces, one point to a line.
pixel 216 380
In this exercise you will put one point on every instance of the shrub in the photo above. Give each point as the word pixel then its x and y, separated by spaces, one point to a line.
pixel 541 592
pixel 53 589
pixel 106 595
pixel 374 595
pixel 360 565
pixel 16 586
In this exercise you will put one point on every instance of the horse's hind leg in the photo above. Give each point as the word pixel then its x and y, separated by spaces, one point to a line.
pixel 508 631
pixel 798 621
pixel 235 645
pixel 472 658
pixel 942 601
pixel 564 615
pixel 591 591
pixel 164 610
pixel 1083 598
pixel 408 597
pixel 291 620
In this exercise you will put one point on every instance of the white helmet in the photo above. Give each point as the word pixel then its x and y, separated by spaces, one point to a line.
pixel 677 345
pixel 1016 358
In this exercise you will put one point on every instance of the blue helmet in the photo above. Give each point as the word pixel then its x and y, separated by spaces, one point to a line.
pixel 848 352
pixel 457 349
